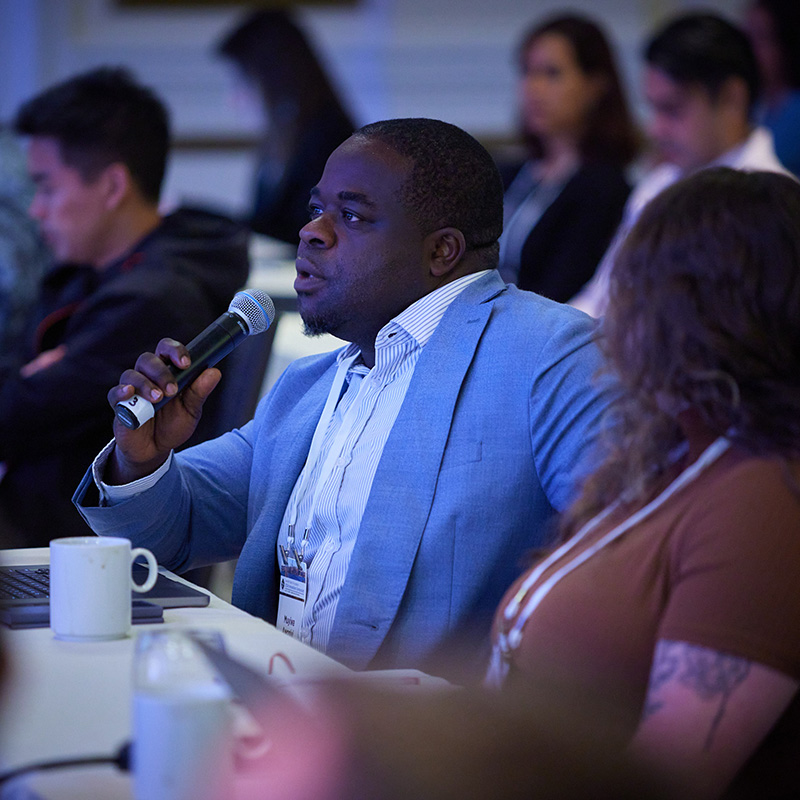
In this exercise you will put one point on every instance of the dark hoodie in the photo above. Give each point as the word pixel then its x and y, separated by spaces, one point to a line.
pixel 173 283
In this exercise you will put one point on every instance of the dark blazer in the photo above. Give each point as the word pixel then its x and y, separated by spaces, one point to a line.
pixel 565 246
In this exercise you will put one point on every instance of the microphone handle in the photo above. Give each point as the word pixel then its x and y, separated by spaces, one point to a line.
pixel 207 349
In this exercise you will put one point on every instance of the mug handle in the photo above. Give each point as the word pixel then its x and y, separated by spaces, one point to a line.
pixel 152 567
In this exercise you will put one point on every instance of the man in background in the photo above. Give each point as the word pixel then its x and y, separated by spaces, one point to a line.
pixel 124 277
pixel 701 83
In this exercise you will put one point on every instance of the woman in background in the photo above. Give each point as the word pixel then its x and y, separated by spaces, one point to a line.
pixel 676 593
pixel 564 203
pixel 306 121
pixel 774 30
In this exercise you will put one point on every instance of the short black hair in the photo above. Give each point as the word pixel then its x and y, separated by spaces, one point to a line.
pixel 101 117
pixel 454 182
pixel 707 50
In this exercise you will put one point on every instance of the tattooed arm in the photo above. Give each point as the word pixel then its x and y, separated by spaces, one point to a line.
pixel 705 714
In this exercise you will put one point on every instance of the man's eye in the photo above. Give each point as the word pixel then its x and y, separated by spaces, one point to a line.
pixel 314 212
pixel 350 216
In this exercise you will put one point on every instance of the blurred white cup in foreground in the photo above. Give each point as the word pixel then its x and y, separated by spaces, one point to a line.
pixel 182 722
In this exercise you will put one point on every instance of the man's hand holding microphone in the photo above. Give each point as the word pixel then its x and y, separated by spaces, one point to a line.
pixel 159 403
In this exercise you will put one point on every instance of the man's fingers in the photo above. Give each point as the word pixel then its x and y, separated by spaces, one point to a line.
pixel 141 385
pixel 173 352
pixel 196 394
pixel 152 377
pixel 123 391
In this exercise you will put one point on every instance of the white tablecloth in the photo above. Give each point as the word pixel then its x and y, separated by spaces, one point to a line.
pixel 68 699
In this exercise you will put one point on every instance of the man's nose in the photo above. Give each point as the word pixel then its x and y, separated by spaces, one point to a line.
pixel 318 232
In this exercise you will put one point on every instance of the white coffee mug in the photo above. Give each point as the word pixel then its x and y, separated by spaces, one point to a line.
pixel 90 586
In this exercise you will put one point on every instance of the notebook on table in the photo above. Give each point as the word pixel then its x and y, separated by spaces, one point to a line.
pixel 25 595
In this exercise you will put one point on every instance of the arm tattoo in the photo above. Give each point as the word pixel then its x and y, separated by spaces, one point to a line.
pixel 708 673
pixel 665 664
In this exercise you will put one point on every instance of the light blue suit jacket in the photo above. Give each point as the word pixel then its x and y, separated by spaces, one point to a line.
pixel 494 429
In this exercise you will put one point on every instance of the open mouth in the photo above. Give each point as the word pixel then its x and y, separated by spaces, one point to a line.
pixel 306 280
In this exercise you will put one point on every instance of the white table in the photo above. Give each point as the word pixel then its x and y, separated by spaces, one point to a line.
pixel 68 699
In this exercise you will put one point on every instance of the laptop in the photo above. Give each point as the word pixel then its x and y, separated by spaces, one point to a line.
pixel 25 594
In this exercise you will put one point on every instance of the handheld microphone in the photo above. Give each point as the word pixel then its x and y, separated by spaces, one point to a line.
pixel 251 311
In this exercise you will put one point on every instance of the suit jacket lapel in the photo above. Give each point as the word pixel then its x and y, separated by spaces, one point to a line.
pixel 405 481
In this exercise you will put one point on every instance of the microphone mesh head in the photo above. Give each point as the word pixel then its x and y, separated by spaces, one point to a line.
pixel 255 308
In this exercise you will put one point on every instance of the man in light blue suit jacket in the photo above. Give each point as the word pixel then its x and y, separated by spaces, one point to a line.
pixel 492 434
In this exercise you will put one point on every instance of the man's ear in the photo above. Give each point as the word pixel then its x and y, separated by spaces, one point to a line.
pixel 117 184
pixel 446 249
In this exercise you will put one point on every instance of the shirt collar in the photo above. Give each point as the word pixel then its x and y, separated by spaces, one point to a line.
pixel 420 319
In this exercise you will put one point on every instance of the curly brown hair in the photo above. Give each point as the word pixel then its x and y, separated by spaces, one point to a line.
pixel 704 314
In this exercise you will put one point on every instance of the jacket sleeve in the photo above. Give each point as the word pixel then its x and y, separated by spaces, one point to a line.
pixel 569 400
pixel 196 514
pixel 61 403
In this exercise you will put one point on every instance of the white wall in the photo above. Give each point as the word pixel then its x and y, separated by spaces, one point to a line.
pixel 450 59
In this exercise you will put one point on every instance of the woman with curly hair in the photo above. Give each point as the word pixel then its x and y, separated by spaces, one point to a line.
pixel 675 594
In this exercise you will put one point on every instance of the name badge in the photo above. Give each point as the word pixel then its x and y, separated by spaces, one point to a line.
pixel 293 592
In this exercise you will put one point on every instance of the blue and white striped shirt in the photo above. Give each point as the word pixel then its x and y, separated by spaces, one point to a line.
pixel 369 406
